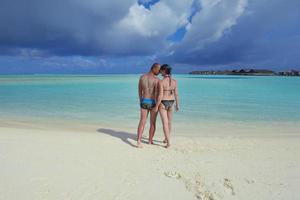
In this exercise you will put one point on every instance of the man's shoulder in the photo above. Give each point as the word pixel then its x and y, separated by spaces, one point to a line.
pixel 144 76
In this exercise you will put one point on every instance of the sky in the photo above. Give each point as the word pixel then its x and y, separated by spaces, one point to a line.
pixel 110 36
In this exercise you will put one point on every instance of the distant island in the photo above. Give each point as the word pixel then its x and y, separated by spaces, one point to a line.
pixel 248 72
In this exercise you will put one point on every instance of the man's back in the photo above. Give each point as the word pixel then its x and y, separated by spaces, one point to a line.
pixel 147 94
pixel 148 85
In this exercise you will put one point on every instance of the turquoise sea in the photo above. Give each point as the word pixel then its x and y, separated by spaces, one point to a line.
pixel 112 100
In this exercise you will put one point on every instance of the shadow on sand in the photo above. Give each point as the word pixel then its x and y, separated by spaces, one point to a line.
pixel 124 136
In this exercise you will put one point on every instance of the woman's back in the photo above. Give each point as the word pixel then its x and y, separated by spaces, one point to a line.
pixel 169 88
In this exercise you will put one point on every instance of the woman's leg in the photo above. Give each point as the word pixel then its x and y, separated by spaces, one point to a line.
pixel 170 116
pixel 165 122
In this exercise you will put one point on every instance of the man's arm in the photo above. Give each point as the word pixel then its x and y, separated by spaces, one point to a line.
pixel 156 89
pixel 160 94
pixel 140 89
pixel 176 97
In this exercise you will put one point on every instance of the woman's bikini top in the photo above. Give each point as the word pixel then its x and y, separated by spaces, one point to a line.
pixel 171 90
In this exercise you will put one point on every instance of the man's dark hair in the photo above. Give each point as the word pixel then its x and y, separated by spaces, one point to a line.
pixel 154 65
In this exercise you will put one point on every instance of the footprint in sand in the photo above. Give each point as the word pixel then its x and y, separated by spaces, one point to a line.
pixel 228 185
pixel 195 185
pixel 249 181
pixel 200 190
pixel 206 195
pixel 175 174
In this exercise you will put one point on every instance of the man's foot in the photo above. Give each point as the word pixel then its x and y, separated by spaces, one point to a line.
pixel 150 142
pixel 165 141
pixel 139 145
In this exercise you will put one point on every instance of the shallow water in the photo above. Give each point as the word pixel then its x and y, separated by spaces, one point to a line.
pixel 112 100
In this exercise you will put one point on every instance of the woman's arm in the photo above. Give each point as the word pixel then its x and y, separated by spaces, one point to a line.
pixel 176 97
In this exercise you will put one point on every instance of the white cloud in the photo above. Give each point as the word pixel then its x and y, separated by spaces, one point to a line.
pixel 163 18
pixel 209 25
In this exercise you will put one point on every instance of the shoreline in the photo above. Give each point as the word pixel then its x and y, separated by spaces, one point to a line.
pixel 209 128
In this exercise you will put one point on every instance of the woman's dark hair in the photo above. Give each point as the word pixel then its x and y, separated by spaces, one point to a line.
pixel 166 68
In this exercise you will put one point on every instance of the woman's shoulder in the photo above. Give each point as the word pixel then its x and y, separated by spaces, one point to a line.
pixel 174 81
pixel 160 82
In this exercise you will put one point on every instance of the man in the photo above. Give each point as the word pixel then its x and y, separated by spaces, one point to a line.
pixel 147 94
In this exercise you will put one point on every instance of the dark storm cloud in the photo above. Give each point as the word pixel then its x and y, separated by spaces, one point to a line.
pixel 90 27
pixel 62 27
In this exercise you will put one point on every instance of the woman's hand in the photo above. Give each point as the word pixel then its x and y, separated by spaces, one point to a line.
pixel 177 107
pixel 155 108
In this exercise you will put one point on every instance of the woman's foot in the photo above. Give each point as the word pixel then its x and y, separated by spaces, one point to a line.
pixel 168 145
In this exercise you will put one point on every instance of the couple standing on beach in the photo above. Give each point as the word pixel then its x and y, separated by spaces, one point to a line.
pixel 157 96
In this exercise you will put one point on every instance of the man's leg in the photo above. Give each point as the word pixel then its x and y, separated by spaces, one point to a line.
pixel 153 116
pixel 140 130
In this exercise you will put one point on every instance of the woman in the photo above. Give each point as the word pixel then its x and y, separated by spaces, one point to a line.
pixel 167 96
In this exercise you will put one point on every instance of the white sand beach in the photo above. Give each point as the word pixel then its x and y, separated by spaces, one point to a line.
pixel 104 164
